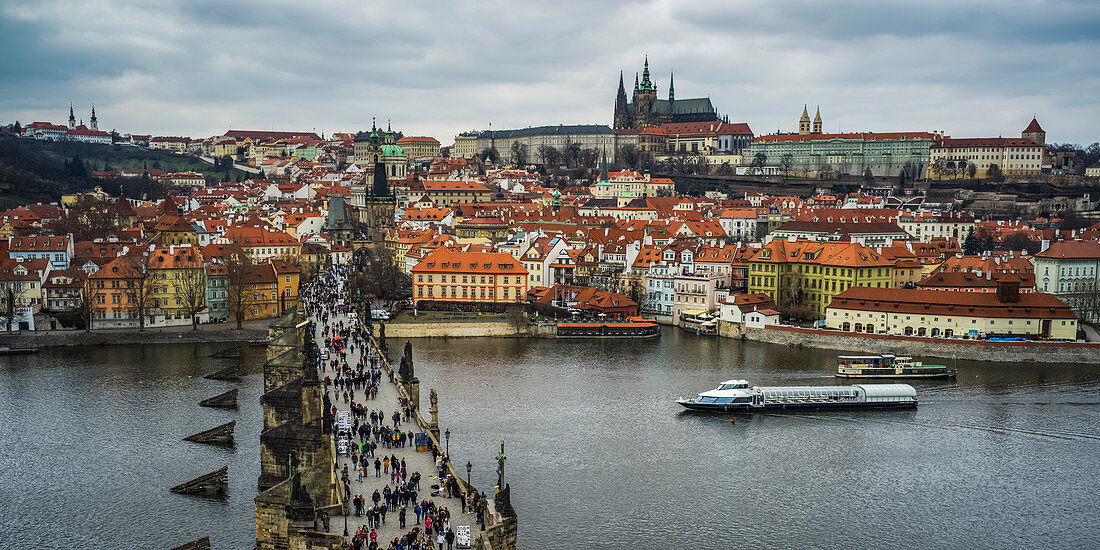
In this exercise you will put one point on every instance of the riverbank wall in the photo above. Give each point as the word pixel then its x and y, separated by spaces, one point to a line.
pixel 455 329
pixel 61 338
pixel 974 350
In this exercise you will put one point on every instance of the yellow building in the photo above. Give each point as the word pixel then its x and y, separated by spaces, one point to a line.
pixel 178 281
pixel 465 146
pixel 812 272
pixel 937 313
pixel 419 147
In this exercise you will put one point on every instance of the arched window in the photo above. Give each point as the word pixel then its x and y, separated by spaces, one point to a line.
pixel 935 333
pixel 921 331
pixel 908 331
pixel 870 328
pixel 859 327
pixel 948 333
pixel 846 326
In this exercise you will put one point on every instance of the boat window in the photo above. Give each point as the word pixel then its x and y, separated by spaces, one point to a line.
pixel 707 399
pixel 723 400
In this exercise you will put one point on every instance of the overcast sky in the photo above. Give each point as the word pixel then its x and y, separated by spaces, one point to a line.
pixel 197 68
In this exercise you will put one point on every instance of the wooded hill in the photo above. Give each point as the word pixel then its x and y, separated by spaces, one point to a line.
pixel 41 171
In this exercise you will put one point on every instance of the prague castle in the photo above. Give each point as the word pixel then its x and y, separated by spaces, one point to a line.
pixel 646 110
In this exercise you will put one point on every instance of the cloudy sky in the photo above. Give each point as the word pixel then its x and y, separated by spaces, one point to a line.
pixel 199 67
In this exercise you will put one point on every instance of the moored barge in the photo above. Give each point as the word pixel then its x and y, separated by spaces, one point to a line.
pixel 888 366
pixel 739 395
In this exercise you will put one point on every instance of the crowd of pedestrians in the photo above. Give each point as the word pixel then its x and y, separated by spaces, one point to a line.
pixel 353 370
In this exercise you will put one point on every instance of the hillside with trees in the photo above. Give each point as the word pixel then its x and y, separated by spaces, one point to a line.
pixel 41 171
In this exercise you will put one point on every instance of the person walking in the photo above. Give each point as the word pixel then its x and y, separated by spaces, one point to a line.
pixel 441 538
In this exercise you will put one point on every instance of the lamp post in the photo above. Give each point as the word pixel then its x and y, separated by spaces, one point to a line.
pixel 469 467
pixel 447 437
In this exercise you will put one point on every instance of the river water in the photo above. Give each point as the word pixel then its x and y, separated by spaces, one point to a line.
pixel 92 441
pixel 599 455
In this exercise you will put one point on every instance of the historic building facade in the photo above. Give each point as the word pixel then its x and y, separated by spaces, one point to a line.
pixel 646 110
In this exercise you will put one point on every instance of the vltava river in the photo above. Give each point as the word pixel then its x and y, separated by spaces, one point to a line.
pixel 92 441
pixel 599 456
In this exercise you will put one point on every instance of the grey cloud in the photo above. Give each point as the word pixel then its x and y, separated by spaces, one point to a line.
pixel 437 68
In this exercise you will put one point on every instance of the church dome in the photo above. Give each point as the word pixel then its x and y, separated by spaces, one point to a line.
pixel 390 150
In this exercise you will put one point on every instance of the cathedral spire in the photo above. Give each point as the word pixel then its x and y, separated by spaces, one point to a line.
pixel 646 84
pixel 622 90
pixel 671 87
pixel 635 81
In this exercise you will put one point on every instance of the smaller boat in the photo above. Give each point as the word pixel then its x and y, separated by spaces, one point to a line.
pixel 18 350
pixel 888 366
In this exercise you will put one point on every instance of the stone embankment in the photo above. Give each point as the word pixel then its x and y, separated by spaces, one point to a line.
pixel 176 335
pixel 974 350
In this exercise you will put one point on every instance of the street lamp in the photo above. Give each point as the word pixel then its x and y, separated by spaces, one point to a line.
pixel 447 436
pixel 469 467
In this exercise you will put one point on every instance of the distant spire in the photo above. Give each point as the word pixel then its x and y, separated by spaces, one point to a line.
pixel 373 125
pixel 645 74
pixel 635 80
pixel 71 114
pixel 389 128
pixel 603 166
pixel 671 88
pixel 805 113
pixel 622 90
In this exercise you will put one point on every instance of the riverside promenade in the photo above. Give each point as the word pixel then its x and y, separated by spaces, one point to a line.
pixel 387 402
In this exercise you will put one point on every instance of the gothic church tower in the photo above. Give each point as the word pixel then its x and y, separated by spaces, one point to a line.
pixel 817 121
pixel 645 93
pixel 622 114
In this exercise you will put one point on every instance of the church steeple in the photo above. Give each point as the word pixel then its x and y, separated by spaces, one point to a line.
pixel 622 114
pixel 646 84
pixel 817 121
pixel 671 87
pixel 636 82
pixel 72 117
pixel 804 122
pixel 94 123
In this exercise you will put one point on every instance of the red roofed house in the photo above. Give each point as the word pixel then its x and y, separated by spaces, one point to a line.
pixel 918 312
pixel 447 275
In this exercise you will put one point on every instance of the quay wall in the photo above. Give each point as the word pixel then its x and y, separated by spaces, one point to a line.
pixel 456 329
pixel 975 350
pixel 62 338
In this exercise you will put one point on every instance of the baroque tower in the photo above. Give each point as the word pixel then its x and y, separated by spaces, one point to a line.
pixel 72 117
pixel 804 122
pixel 92 122
pixel 817 121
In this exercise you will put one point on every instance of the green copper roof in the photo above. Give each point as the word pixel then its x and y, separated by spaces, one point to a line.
pixel 390 150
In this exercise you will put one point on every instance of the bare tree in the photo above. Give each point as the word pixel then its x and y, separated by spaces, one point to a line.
pixel 90 292
pixel 548 155
pixel 518 153
pixel 571 154
pixel 785 162
pixel 10 303
pixel 994 173
pixel 972 170
pixel 758 162
pixel 192 285
pixel 381 277
pixel 242 290
pixel 138 284
pixel 629 154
